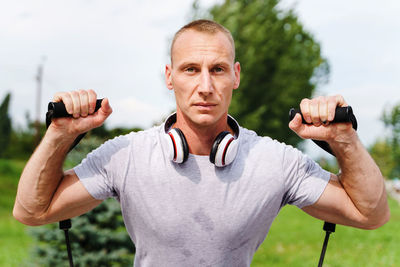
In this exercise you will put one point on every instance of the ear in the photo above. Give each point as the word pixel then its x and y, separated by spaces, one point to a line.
pixel 168 76
pixel 236 69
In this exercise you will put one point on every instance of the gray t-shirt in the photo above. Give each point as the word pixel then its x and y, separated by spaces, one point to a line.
pixel 196 214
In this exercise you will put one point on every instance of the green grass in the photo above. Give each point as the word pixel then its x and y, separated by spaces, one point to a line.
pixel 295 239
pixel 14 241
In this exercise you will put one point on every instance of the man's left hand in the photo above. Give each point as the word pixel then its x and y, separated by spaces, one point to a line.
pixel 318 113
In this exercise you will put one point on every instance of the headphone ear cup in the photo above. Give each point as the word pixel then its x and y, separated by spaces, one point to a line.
pixel 224 149
pixel 180 147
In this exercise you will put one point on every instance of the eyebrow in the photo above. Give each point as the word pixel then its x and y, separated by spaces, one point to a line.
pixel 191 63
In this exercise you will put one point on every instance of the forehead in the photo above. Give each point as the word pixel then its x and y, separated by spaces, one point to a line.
pixel 191 43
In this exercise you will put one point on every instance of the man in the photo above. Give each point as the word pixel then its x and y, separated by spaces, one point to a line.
pixel 188 211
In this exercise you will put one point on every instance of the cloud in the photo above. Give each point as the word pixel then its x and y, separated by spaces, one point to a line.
pixel 131 112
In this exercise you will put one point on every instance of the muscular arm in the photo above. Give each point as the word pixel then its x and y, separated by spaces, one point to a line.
pixel 357 196
pixel 45 193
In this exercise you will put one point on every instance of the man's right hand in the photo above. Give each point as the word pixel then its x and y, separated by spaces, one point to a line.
pixel 45 192
pixel 81 105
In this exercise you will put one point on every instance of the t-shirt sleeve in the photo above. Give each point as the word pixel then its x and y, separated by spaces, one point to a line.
pixel 305 180
pixel 100 169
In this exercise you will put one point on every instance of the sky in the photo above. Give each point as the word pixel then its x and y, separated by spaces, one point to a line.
pixel 120 48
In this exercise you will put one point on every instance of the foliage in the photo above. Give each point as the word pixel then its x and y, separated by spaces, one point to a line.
pixel 23 141
pixel 281 64
pixel 86 145
pixel 381 152
pixel 330 165
pixel 391 119
pixel 122 131
pixel 98 238
pixel 5 125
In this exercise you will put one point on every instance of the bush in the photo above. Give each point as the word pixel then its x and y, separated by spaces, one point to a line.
pixel 98 238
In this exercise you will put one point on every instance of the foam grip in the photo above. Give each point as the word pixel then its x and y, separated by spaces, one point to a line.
pixel 58 109
pixel 342 114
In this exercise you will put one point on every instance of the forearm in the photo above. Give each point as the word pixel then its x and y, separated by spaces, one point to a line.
pixel 361 179
pixel 41 175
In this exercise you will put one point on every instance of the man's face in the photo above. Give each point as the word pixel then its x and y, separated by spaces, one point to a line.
pixel 203 75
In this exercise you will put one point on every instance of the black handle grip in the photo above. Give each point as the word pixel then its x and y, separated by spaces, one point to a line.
pixel 342 114
pixel 59 111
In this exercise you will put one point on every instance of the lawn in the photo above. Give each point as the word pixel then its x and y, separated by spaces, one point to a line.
pixel 295 239
pixel 14 241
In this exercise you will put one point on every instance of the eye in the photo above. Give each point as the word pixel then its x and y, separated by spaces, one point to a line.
pixel 217 69
pixel 190 69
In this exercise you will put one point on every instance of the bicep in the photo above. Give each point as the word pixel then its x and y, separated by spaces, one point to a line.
pixel 335 206
pixel 71 199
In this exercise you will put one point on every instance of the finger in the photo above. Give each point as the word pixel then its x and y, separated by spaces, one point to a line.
pixel 305 109
pixel 92 101
pixel 76 104
pixel 332 103
pixel 314 112
pixel 323 111
pixel 58 96
pixel 66 99
pixel 340 101
pixel 84 100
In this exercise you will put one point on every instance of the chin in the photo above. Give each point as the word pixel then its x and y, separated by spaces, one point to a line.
pixel 205 119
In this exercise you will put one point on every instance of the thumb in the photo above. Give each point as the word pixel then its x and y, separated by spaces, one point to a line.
pixel 296 124
pixel 102 114
pixel 105 109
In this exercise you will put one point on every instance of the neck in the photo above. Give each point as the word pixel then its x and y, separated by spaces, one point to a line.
pixel 201 138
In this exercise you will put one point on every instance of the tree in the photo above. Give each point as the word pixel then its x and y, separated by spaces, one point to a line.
pixel 381 152
pixel 391 118
pixel 22 139
pixel 281 63
pixel 5 125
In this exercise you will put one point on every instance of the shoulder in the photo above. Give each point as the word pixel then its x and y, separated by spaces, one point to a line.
pixel 265 149
pixel 251 140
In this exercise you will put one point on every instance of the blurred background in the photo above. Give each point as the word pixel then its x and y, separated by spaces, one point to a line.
pixel 288 50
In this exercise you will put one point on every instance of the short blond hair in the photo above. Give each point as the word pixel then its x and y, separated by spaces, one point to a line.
pixel 204 26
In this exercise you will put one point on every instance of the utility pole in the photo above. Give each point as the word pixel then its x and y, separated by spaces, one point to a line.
pixel 39 79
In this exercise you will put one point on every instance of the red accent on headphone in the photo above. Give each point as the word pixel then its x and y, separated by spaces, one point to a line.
pixel 226 149
pixel 173 141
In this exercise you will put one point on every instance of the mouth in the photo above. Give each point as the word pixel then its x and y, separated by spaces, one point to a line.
pixel 205 105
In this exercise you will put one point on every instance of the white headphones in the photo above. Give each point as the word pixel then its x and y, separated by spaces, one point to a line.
pixel 223 151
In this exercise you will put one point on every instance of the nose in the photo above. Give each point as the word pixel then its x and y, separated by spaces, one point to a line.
pixel 205 84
